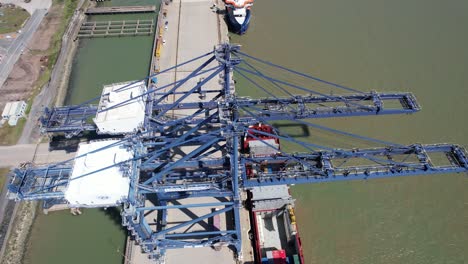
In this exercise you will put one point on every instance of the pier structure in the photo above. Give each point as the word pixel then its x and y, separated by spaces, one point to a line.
pixel 117 28
pixel 113 10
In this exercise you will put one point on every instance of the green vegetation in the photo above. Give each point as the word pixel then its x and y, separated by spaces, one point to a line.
pixel 9 135
pixel 12 19
pixel 25 215
pixel 69 7
pixel 56 43
pixel 3 176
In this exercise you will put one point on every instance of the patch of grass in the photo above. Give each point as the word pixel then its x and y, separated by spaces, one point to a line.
pixel 68 10
pixel 3 176
pixel 9 135
pixel 12 19
pixel 56 43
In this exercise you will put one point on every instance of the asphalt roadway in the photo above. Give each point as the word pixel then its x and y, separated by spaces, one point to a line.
pixel 13 156
pixel 19 44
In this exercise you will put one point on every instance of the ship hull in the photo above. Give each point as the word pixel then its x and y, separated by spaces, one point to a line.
pixel 293 252
pixel 233 25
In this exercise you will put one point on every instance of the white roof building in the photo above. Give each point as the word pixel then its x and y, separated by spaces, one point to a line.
pixel 121 111
pixel 14 111
pixel 91 185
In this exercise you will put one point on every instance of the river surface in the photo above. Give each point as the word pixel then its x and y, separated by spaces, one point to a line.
pixel 417 46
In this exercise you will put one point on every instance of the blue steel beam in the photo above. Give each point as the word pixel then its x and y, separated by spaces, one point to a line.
pixel 152 173
pixel 285 170
pixel 75 119
pixel 182 139
pixel 298 87
pixel 195 152
pixel 313 78
pixel 407 100
pixel 207 186
pixel 194 234
pixel 235 186
pixel 206 242
pixel 188 194
pixel 192 164
pixel 71 120
pixel 148 77
pixel 39 183
pixel 301 107
pixel 183 206
pixel 188 93
pixel 162 233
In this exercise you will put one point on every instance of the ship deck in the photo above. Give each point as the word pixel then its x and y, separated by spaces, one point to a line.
pixel 272 232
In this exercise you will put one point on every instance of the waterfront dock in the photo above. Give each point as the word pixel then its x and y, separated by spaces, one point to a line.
pixel 112 10
pixel 116 28
pixel 187 29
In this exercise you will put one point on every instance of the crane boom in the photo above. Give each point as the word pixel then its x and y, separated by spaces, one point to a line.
pixel 196 147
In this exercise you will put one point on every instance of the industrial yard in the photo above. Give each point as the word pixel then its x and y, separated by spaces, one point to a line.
pixel 189 161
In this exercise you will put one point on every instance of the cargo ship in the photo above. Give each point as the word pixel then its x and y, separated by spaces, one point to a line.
pixel 238 15
pixel 275 234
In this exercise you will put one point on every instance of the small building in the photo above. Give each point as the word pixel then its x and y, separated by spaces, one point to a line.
pixel 121 108
pixel 14 111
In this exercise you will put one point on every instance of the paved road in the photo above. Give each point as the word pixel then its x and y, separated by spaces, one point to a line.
pixel 12 156
pixel 19 44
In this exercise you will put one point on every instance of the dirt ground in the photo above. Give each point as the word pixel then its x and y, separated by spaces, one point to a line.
pixel 20 83
pixel 43 36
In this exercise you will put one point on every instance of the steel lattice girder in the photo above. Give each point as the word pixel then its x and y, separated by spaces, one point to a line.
pixel 39 183
pixel 73 120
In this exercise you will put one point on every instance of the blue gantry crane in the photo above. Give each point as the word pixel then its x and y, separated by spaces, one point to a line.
pixel 190 148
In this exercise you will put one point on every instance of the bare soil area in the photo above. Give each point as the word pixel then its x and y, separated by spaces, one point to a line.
pixel 19 84
pixel 43 36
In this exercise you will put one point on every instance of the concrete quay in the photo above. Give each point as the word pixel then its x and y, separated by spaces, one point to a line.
pixel 120 10
pixel 13 156
pixel 187 29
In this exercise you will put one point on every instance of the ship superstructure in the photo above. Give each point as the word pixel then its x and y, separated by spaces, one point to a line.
pixel 238 15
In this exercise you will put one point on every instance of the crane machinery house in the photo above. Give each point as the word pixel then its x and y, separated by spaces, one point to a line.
pixel 121 108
